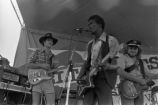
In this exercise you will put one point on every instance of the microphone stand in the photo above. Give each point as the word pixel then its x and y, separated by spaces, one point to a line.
pixel 69 77
pixel 69 72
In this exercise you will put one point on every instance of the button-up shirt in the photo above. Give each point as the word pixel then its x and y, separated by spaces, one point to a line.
pixel 40 56
pixel 113 47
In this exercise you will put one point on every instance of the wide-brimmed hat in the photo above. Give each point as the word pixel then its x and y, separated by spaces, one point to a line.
pixel 134 43
pixel 48 36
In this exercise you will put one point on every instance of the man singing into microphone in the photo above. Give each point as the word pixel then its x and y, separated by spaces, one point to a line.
pixel 101 50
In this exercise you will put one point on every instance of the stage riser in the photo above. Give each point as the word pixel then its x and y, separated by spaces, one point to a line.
pixel 71 101
pixel 17 98
pixel 14 98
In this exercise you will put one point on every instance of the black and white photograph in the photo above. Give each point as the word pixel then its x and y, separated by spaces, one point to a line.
pixel 79 52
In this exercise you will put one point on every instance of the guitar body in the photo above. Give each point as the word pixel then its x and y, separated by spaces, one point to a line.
pixel 85 83
pixel 87 80
pixel 35 76
pixel 131 90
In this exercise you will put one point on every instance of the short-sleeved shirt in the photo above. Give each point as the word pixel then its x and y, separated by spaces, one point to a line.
pixel 124 61
pixel 40 56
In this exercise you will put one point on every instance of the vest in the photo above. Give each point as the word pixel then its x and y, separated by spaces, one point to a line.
pixel 109 75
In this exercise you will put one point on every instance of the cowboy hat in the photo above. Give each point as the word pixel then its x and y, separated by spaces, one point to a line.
pixel 48 36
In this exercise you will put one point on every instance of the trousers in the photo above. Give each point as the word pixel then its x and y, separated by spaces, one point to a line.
pixel 101 93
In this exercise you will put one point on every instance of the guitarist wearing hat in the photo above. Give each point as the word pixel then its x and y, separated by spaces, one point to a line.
pixel 134 75
pixel 40 62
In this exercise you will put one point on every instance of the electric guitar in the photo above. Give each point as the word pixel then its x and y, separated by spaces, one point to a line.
pixel 35 76
pixel 87 80
pixel 131 90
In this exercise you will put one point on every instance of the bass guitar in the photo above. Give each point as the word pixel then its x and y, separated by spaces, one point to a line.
pixel 35 76
pixel 131 90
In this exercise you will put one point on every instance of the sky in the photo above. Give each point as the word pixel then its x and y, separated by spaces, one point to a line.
pixel 9 30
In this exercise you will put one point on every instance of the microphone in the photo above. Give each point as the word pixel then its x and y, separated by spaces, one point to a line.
pixel 81 30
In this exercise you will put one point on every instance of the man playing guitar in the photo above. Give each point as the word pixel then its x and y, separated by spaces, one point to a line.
pixel 134 75
pixel 42 60
pixel 102 46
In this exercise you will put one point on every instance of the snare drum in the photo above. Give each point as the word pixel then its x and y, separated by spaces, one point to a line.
pixel 154 95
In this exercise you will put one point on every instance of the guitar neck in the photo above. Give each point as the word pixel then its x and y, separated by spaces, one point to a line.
pixel 57 69
pixel 105 58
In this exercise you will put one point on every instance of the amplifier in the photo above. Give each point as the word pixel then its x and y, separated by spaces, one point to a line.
pixel 9 75
pixel 13 87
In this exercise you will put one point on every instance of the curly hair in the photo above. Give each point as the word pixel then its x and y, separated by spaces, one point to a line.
pixel 125 51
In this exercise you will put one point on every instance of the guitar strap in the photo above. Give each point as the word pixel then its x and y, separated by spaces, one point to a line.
pixel 142 68
pixel 50 59
pixel 132 67
pixel 149 83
